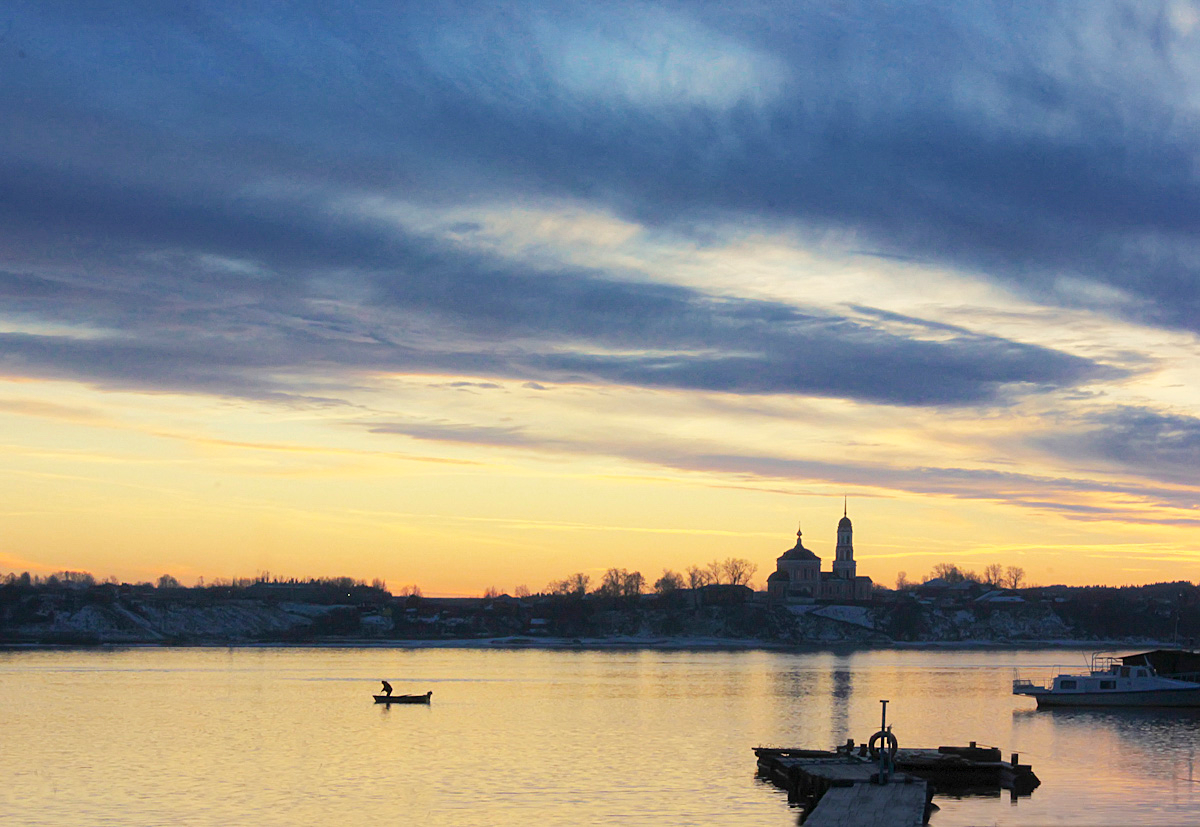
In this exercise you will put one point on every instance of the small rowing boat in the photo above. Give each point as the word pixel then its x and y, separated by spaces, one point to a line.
pixel 403 699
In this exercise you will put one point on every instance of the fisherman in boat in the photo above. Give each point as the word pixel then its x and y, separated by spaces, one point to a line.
pixel 387 688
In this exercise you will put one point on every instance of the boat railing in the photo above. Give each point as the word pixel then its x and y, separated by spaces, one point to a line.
pixel 1023 685
pixel 1104 663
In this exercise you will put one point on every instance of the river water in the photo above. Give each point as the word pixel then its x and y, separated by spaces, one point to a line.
pixel 290 736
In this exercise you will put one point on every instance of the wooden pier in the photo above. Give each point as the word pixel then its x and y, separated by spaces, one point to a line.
pixel 836 789
pixel 842 787
pixel 865 805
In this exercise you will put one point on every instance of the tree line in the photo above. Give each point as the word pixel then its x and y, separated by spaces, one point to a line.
pixel 615 582
pixel 86 579
pixel 732 571
pixel 994 574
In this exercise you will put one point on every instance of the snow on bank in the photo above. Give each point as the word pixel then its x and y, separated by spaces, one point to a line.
pixel 229 621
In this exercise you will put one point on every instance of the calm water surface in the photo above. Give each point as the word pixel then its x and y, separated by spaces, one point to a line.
pixel 291 737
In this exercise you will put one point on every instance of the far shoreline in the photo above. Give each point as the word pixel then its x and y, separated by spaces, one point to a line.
pixel 512 644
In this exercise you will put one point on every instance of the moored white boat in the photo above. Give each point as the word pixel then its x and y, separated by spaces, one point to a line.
pixel 1112 682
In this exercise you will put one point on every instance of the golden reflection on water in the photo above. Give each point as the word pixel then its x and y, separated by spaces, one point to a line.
pixel 269 736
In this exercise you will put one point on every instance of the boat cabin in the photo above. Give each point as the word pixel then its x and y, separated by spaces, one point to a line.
pixel 1116 678
pixel 1112 682
pixel 1107 674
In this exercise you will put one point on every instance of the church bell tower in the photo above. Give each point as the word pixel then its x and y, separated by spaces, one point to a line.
pixel 844 566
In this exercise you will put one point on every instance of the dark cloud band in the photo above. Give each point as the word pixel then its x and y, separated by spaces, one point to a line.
pixel 146 142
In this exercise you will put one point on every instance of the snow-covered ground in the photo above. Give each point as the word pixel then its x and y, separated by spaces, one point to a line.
pixel 116 623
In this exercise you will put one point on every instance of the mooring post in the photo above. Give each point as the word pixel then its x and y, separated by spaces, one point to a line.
pixel 883 752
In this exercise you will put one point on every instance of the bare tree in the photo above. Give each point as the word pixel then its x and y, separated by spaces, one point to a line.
pixel 82 578
pixel 491 592
pixel 715 572
pixel 1014 576
pixel 633 584
pixel 168 582
pixel 669 582
pixel 953 574
pixel 409 591
pixel 993 575
pixel 698 578
pixel 902 581
pixel 577 584
pixel 621 583
pixel 521 591
pixel 737 571
pixel 612 584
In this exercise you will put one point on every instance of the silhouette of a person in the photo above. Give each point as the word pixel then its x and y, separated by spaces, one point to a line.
pixel 387 688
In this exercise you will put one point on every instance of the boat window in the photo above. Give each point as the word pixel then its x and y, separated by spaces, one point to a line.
pixel 1066 685
pixel 1108 684
pixel 1141 673
pixel 1124 671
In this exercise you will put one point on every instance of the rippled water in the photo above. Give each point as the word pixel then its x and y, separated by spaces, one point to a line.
pixel 291 736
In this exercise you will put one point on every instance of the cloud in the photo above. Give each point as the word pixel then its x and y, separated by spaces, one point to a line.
pixel 459 433
pixel 185 181
pixel 649 58
pixel 439 311
pixel 49 410
pixel 1154 444
pixel 1081 496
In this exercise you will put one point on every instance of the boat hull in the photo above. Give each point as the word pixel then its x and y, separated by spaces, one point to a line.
pixel 403 699
pixel 1144 699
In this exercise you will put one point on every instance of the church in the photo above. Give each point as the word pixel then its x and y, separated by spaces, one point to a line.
pixel 798 577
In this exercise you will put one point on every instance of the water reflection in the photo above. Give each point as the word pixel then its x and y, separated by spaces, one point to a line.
pixel 1118 756
pixel 1159 742
pixel 1130 722
pixel 650 738
pixel 795 683
pixel 839 701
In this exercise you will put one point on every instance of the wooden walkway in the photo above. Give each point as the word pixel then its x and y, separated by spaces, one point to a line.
pixel 840 791
pixel 871 805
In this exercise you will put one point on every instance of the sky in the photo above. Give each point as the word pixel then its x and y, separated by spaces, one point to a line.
pixel 472 295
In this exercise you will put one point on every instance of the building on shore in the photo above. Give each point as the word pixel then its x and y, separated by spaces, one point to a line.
pixel 798 577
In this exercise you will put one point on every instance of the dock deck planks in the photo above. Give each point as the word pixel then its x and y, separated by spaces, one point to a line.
pixel 871 805
pixel 840 791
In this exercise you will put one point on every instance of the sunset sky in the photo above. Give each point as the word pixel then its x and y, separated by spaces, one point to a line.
pixel 483 294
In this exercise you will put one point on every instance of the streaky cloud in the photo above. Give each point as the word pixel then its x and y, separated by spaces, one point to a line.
pixel 1048 148
pixel 1069 496
pixel 1149 442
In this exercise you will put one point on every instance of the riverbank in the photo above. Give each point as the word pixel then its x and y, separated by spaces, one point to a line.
pixel 612 644
pixel 714 619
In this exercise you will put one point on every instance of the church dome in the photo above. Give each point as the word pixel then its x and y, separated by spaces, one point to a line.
pixel 799 552
pixel 844 523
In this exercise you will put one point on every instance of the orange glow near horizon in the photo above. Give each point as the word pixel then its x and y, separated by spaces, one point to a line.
pixel 92 481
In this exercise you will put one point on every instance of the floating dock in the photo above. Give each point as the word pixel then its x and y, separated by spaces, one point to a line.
pixel 838 788
pixel 842 786
pixel 896 804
